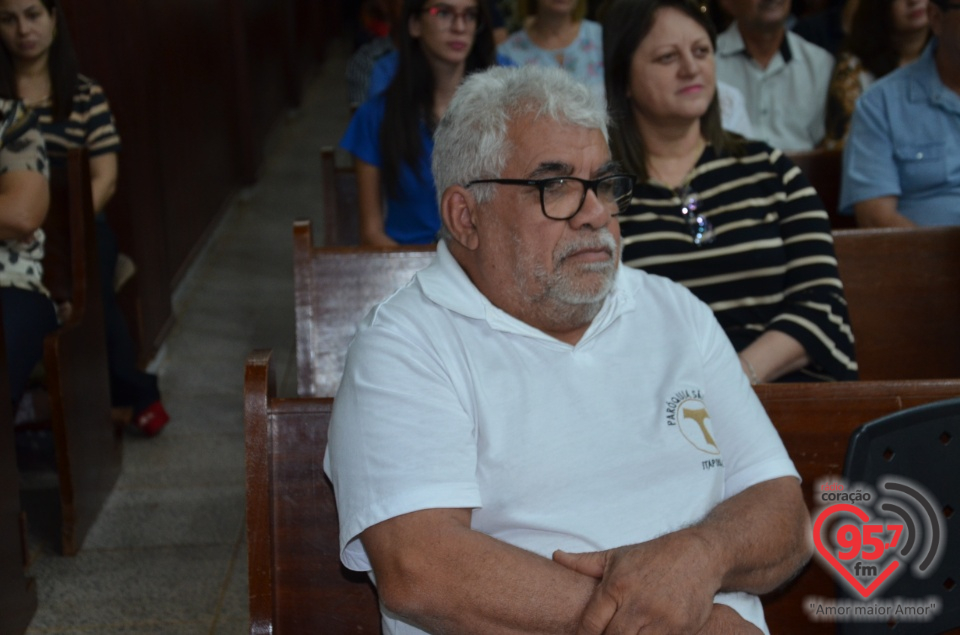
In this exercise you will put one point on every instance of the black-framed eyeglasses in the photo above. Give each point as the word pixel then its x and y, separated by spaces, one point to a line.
pixel 445 16
pixel 700 228
pixel 562 197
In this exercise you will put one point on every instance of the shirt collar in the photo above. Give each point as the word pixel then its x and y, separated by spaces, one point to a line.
pixel 731 43
pixel 785 49
pixel 926 85
pixel 445 283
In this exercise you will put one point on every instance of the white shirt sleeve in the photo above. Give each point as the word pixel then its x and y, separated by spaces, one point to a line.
pixel 399 439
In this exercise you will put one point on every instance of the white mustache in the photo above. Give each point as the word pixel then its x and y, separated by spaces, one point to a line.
pixel 602 239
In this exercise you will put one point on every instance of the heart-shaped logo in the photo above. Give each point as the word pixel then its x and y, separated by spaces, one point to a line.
pixel 827 554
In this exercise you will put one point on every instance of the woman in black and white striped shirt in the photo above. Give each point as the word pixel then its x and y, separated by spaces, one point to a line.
pixel 734 221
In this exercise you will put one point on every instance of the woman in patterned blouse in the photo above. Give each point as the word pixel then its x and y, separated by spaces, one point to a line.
pixel 555 33
pixel 28 312
pixel 734 221
pixel 39 66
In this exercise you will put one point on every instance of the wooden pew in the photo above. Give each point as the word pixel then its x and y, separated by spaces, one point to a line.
pixel 18 593
pixel 88 444
pixel 296 582
pixel 824 170
pixel 334 289
pixel 341 209
pixel 903 290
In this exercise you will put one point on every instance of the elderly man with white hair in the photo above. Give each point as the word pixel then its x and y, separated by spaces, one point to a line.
pixel 530 438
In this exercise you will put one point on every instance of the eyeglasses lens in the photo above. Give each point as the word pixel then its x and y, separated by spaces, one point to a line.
pixel 564 197
pixel 446 15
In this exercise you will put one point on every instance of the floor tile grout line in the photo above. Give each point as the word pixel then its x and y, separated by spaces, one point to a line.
pixel 228 579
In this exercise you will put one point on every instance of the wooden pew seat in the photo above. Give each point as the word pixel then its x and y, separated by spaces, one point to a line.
pixel 903 291
pixel 297 582
pixel 334 289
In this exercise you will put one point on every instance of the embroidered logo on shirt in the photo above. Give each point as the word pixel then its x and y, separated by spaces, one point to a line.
pixel 688 413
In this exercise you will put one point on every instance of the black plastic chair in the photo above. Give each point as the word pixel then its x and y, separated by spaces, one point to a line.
pixel 921 445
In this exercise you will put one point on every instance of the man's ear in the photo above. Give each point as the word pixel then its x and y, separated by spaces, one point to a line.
pixel 458 211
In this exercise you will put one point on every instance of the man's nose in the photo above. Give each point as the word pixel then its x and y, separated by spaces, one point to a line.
pixel 593 213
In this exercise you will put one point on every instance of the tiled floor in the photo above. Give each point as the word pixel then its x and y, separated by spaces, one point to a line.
pixel 168 553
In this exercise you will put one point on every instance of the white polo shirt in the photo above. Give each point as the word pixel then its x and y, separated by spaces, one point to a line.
pixel 639 429
pixel 787 100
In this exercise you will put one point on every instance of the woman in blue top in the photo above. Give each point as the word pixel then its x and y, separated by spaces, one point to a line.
pixel 391 135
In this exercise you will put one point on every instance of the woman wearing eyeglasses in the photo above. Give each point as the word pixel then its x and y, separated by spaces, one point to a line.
pixel 733 220
pixel 555 33
pixel 391 135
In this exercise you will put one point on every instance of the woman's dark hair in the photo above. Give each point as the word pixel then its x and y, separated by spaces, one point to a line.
pixel 61 64
pixel 625 24
pixel 409 99
pixel 871 37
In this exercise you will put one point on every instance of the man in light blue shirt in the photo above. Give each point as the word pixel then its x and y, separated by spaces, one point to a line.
pixel 901 163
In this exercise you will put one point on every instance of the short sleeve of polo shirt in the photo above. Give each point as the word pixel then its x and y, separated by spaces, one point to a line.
pixel 869 167
pixel 379 473
pixel 752 449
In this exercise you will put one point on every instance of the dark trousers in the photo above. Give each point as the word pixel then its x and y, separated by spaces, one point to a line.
pixel 129 386
pixel 28 317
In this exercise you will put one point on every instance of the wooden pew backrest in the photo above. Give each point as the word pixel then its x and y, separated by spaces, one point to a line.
pixel 340 203
pixel 296 582
pixel 334 289
pixel 903 290
pixel 88 445
pixel 824 170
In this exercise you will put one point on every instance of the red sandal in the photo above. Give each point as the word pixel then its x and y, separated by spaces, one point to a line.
pixel 151 420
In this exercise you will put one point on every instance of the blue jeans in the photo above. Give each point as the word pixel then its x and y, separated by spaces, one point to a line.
pixel 28 317
pixel 129 386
